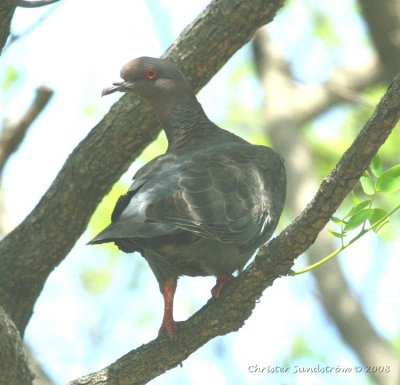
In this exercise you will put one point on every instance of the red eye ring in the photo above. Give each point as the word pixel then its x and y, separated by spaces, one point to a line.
pixel 151 73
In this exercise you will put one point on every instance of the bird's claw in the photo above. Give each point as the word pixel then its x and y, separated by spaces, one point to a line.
pixel 171 328
pixel 221 279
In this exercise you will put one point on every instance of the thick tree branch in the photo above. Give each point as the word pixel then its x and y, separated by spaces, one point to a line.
pixel 14 369
pixel 236 303
pixel 33 249
pixel 13 133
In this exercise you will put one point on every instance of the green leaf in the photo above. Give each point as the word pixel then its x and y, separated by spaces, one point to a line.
pixel 389 181
pixel 377 215
pixel 354 197
pixel 339 221
pixel 367 184
pixel 336 234
pixel 359 207
pixel 376 165
pixel 11 76
pixel 358 219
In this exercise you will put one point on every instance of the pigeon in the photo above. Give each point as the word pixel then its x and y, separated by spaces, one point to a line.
pixel 205 206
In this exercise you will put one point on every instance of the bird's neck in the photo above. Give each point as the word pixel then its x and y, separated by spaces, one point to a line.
pixel 185 122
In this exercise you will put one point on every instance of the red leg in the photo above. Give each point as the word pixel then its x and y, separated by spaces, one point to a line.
pixel 221 279
pixel 168 323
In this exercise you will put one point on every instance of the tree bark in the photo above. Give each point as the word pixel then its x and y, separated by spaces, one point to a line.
pixel 14 369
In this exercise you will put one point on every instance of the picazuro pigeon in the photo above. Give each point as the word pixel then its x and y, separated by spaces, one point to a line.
pixel 206 205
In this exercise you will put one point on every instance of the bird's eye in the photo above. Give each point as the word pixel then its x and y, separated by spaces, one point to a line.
pixel 151 73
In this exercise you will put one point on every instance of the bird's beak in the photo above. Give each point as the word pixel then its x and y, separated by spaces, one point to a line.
pixel 118 86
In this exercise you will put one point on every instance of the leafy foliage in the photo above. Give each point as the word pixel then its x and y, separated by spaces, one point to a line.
pixel 364 211
pixel 364 214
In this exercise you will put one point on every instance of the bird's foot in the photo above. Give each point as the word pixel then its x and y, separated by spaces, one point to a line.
pixel 221 279
pixel 170 327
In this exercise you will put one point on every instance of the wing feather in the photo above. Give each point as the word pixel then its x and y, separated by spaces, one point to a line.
pixel 227 194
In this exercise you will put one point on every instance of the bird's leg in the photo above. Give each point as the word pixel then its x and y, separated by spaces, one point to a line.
pixel 168 323
pixel 221 279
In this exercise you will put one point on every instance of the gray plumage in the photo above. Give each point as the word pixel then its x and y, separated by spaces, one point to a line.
pixel 207 204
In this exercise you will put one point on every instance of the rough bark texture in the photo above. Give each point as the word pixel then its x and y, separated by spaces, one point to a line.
pixel 13 362
pixel 237 301
pixel 34 248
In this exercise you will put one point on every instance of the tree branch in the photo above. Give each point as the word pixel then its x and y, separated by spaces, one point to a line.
pixel 350 319
pixel 41 377
pixel 15 37
pixel 309 101
pixel 34 4
pixel 14 133
pixel 7 9
pixel 234 306
pixel 34 248
pixel 11 137
pixel 337 299
pixel 14 369
pixel 383 21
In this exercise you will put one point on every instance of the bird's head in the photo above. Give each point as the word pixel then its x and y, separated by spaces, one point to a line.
pixel 156 80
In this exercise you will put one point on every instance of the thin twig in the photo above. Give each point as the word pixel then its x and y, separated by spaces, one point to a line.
pixel 34 4
pixel 346 245
pixel 15 37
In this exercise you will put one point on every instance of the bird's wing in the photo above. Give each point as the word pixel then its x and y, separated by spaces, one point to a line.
pixel 230 194
pixel 225 193
pixel 129 219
